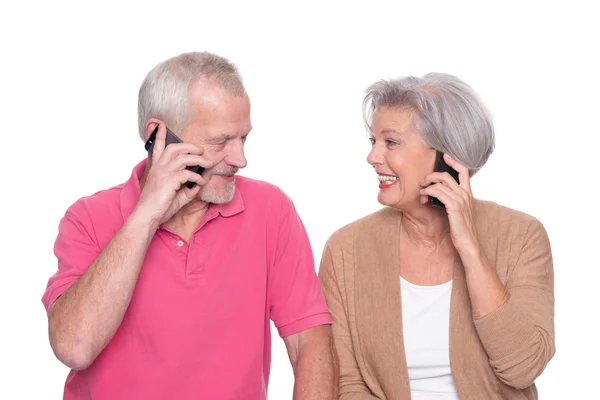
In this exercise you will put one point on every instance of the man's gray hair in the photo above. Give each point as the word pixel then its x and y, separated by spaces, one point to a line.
pixel 452 117
pixel 164 94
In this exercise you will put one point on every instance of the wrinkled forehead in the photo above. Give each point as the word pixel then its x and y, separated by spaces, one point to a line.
pixel 218 123
pixel 402 119
pixel 211 104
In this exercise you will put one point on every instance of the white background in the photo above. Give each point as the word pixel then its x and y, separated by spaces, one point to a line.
pixel 70 73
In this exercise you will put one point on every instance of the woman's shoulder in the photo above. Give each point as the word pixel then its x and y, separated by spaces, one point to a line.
pixel 505 225
pixel 494 220
pixel 369 224
pixel 490 209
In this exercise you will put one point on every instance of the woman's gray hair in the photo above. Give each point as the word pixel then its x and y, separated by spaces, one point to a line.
pixel 452 117
pixel 164 94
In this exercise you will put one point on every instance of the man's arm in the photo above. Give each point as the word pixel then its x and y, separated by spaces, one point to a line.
pixel 85 318
pixel 315 364
pixel 298 307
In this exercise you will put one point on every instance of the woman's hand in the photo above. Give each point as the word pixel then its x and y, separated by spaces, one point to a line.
pixel 486 291
pixel 458 199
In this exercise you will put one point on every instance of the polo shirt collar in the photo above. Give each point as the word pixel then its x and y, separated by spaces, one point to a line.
pixel 235 206
pixel 131 191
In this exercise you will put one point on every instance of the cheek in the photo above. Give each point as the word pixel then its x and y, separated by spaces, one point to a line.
pixel 409 169
pixel 219 165
pixel 397 163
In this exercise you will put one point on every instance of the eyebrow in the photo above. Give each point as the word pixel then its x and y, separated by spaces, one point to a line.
pixel 220 138
pixel 223 137
pixel 392 131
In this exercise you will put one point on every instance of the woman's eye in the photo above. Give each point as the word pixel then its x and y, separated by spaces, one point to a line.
pixel 388 142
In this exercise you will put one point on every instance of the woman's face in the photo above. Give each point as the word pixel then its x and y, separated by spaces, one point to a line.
pixel 400 157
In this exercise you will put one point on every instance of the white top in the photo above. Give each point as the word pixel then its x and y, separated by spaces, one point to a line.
pixel 426 327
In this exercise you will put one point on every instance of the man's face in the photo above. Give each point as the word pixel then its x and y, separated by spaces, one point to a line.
pixel 218 123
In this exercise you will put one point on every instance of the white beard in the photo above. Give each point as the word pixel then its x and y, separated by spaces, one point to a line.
pixel 208 195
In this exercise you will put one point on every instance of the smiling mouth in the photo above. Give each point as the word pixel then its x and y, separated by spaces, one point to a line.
pixel 386 179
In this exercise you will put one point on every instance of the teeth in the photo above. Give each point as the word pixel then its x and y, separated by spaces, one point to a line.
pixel 387 179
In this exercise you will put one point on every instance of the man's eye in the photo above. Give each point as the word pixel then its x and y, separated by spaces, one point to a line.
pixel 372 141
pixel 391 143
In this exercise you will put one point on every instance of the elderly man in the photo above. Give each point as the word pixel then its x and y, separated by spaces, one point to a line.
pixel 166 283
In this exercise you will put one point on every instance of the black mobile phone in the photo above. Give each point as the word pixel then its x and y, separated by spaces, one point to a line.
pixel 171 138
pixel 442 166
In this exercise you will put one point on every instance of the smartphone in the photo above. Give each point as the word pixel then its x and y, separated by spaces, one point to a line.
pixel 170 139
pixel 442 166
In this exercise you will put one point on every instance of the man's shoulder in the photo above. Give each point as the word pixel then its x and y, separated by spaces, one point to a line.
pixel 256 186
pixel 259 193
pixel 100 205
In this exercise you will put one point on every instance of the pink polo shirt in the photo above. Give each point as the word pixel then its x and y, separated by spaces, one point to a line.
pixel 197 326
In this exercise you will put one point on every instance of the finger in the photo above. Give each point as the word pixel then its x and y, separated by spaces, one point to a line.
pixel 188 160
pixel 186 175
pixel 463 172
pixel 173 150
pixel 441 177
pixel 442 193
pixel 159 142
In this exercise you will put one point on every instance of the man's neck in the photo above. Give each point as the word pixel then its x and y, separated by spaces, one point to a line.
pixel 185 221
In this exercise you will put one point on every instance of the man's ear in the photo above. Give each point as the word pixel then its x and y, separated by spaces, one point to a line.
pixel 150 125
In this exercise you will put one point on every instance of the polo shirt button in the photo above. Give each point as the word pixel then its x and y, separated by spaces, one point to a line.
pixel 180 243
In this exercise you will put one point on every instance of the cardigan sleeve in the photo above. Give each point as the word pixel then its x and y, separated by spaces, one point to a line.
pixel 519 336
pixel 351 383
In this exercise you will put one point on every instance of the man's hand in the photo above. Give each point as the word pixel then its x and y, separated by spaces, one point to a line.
pixel 164 191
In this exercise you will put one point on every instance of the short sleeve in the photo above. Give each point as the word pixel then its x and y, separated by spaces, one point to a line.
pixel 75 251
pixel 297 302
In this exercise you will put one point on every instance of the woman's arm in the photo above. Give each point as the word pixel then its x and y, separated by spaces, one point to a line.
pixel 351 383
pixel 515 322
pixel 519 335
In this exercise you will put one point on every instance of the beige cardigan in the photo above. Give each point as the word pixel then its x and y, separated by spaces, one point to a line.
pixel 495 357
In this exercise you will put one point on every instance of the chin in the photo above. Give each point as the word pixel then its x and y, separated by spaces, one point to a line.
pixel 219 195
pixel 388 198
pixel 397 201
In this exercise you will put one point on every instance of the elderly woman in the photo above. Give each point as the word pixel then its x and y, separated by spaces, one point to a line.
pixel 452 300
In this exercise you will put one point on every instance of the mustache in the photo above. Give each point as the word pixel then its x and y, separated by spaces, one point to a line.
pixel 229 171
